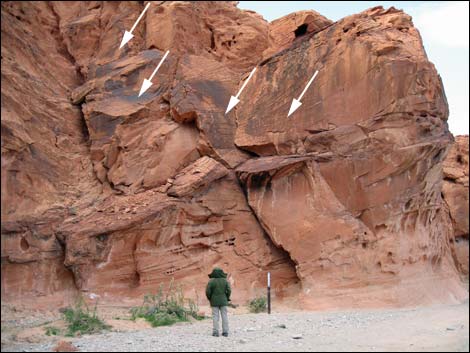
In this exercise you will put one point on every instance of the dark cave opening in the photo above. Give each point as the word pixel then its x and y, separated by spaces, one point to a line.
pixel 301 30
pixel 24 244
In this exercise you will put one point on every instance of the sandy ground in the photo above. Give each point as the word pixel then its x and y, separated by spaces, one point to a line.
pixel 437 328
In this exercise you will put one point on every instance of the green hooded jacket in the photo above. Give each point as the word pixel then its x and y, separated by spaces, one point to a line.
pixel 218 289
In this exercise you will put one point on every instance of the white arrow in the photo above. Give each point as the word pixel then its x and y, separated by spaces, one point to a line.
pixel 234 100
pixel 128 35
pixel 147 83
pixel 296 102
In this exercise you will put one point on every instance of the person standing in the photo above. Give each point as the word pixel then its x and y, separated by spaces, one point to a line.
pixel 218 293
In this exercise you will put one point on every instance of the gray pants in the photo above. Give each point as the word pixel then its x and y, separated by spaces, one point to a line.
pixel 215 319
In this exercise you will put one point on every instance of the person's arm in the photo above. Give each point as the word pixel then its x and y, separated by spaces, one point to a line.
pixel 228 291
pixel 208 291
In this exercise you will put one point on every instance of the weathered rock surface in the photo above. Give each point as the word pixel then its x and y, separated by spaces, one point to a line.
pixel 106 192
pixel 46 166
pixel 354 92
pixel 285 30
pixel 201 173
pixel 372 212
pixel 161 237
pixel 301 213
pixel 455 191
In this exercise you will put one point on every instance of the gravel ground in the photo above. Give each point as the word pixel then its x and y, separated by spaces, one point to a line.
pixel 439 328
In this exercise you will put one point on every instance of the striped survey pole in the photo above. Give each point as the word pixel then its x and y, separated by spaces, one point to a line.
pixel 269 292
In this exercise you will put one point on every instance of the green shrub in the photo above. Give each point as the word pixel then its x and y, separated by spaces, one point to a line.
pixel 258 305
pixel 52 331
pixel 166 309
pixel 163 319
pixel 81 320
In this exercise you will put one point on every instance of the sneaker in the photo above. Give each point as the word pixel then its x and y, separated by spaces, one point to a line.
pixel 215 334
pixel 225 334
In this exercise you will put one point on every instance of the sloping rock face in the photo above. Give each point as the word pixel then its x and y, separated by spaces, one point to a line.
pixel 106 192
pixel 455 191
pixel 371 214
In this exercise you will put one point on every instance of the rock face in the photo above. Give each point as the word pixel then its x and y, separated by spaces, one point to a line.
pixel 106 192
pixel 370 213
pixel 46 166
pixel 455 191
pixel 285 30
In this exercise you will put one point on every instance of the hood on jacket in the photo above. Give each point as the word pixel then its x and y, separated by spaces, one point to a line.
pixel 217 273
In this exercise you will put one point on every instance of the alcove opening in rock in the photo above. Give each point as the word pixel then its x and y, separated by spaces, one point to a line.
pixel 301 30
pixel 135 280
pixel 24 244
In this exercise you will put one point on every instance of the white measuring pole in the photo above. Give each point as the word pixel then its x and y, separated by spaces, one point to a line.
pixel 269 292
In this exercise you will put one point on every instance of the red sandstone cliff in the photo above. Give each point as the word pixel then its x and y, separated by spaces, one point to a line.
pixel 109 193
pixel 455 191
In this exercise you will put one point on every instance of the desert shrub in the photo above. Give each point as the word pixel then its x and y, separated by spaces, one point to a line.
pixel 163 319
pixel 163 309
pixel 81 320
pixel 258 305
pixel 52 331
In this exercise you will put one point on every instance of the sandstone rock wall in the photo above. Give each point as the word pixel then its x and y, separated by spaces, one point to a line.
pixel 106 192
pixel 365 209
pixel 46 166
pixel 455 191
